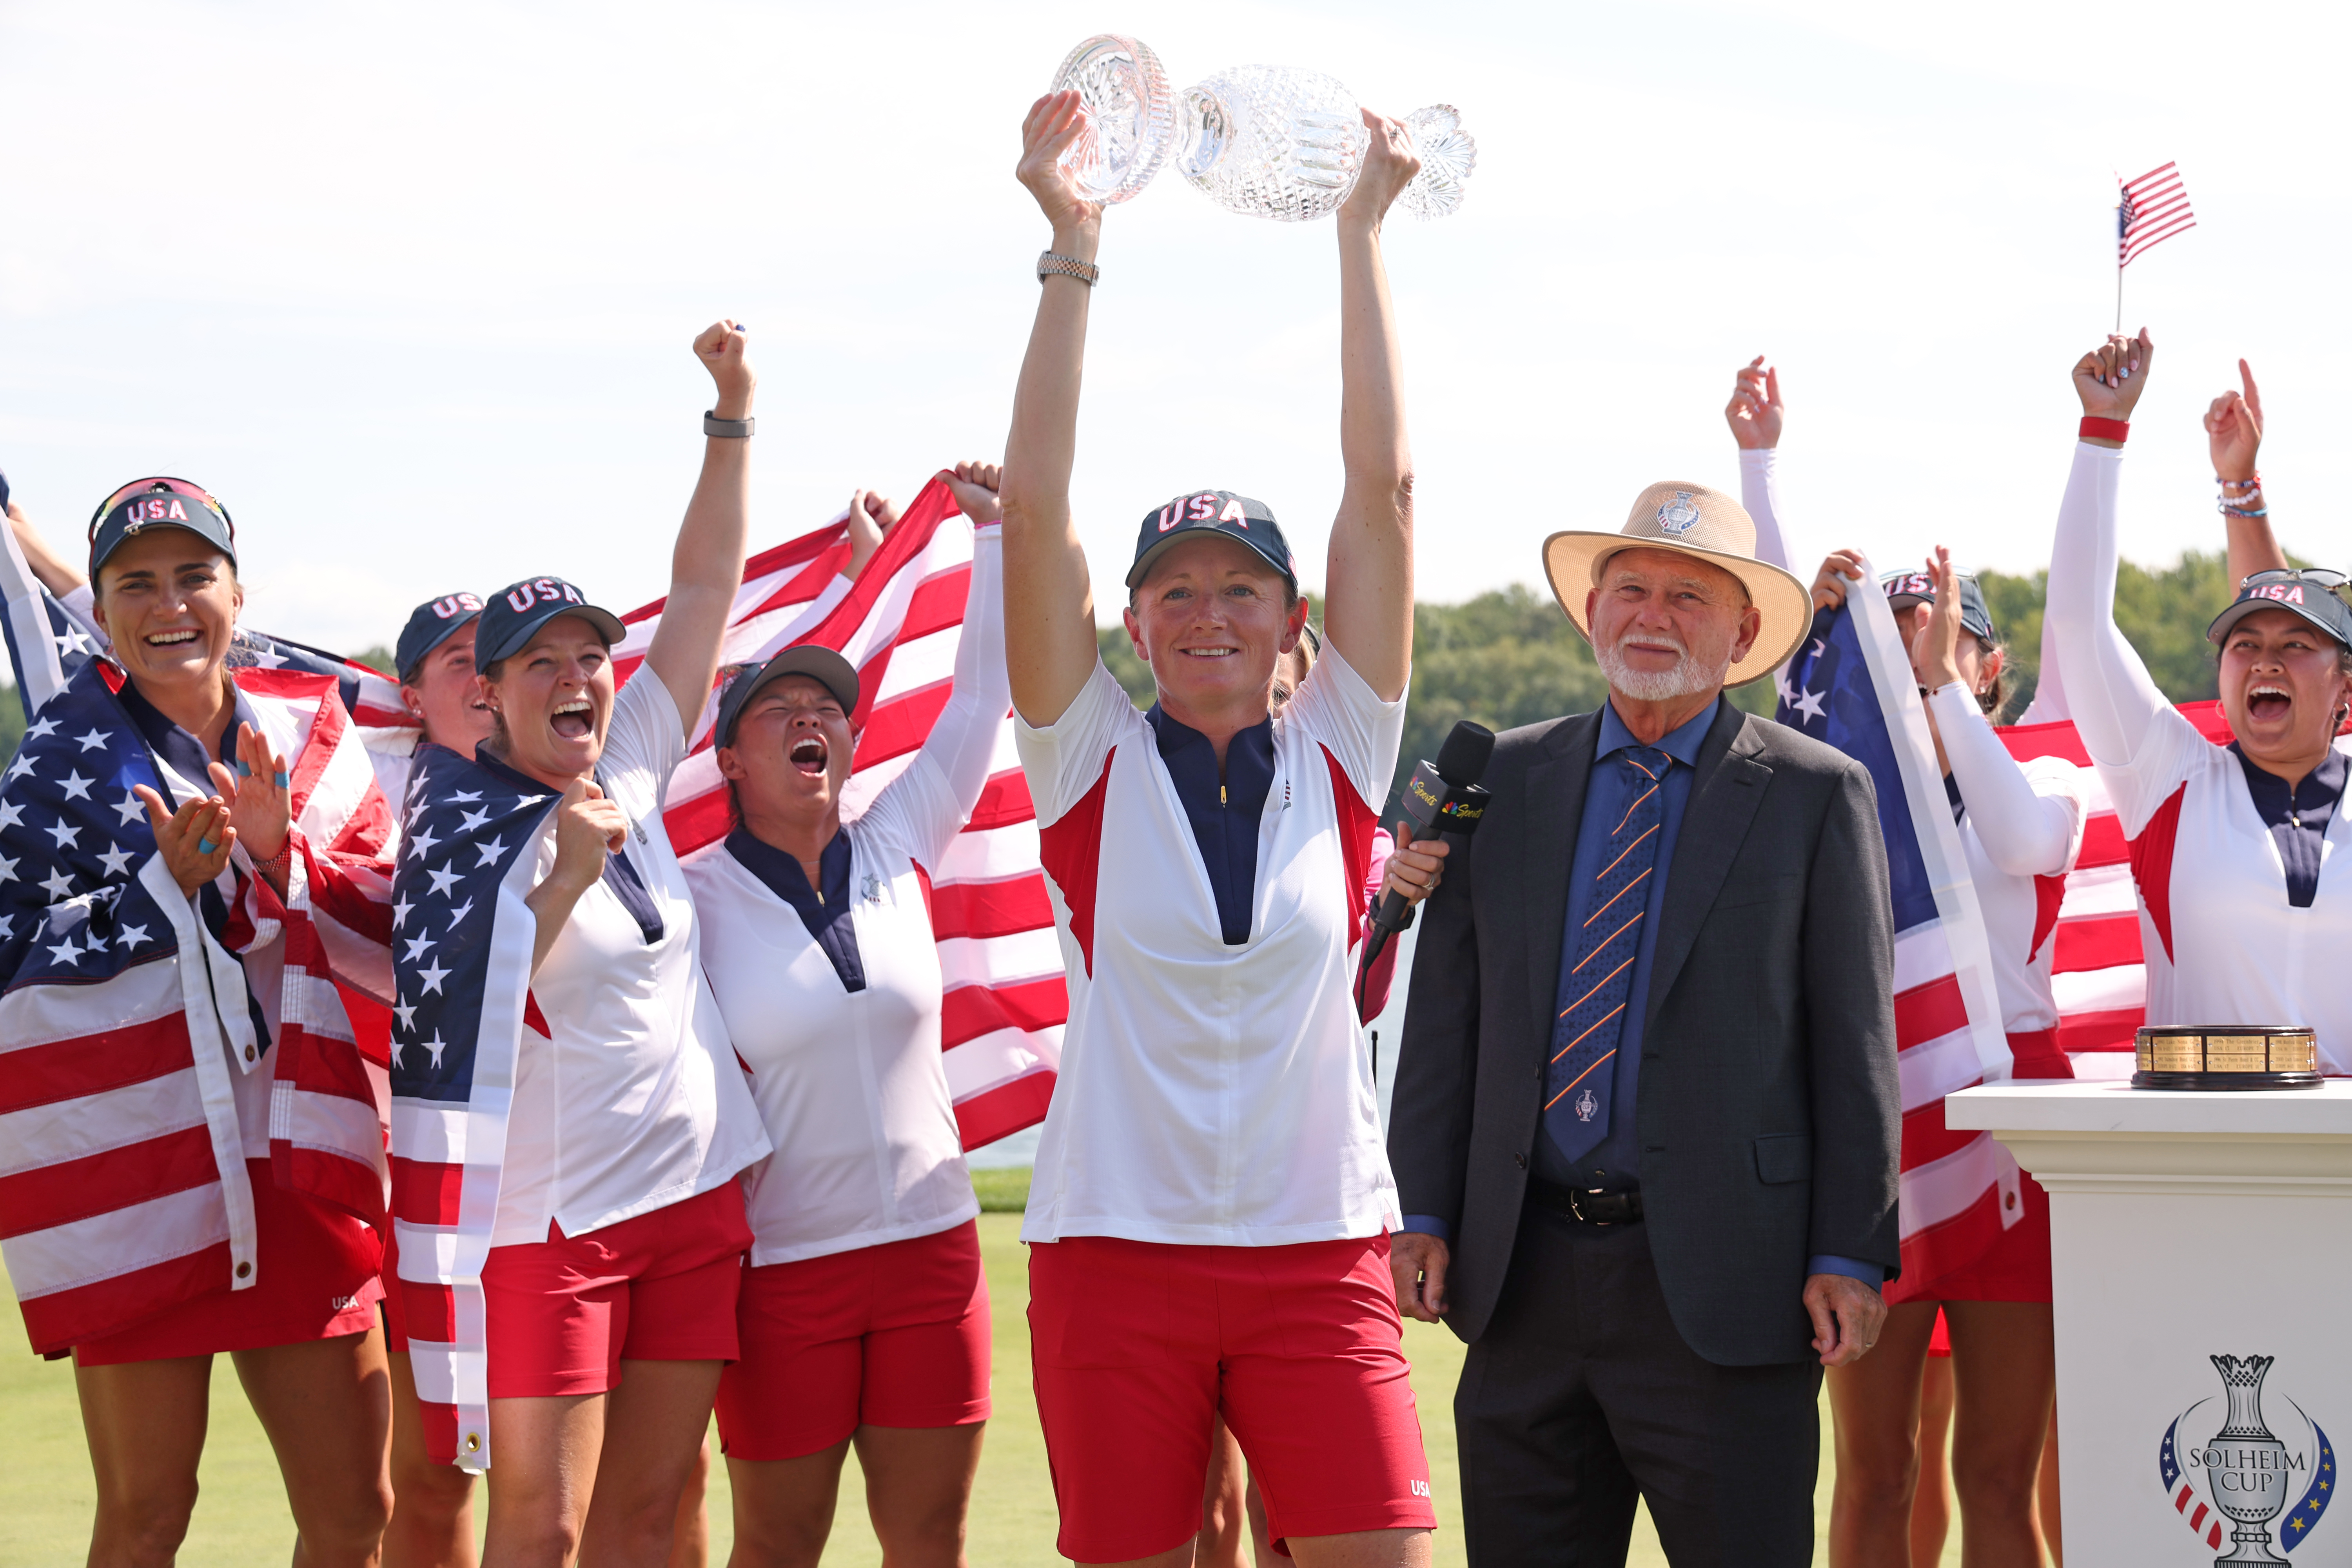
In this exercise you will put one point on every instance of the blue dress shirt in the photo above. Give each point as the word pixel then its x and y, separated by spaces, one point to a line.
pixel 1615 1163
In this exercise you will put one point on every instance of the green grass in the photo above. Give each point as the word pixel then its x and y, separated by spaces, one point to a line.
pixel 241 1517
pixel 1002 1191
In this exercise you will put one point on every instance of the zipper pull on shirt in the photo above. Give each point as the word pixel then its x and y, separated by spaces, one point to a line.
pixel 1221 794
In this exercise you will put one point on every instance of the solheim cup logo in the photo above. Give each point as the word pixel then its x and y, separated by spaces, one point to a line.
pixel 2245 1472
pixel 1677 515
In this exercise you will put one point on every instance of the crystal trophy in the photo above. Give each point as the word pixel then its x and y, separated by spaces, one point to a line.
pixel 1281 143
pixel 1270 140
pixel 1129 116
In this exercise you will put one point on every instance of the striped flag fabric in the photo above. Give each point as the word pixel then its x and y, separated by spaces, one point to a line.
pixel 899 624
pixel 2153 210
pixel 2097 974
pixel 1851 685
pixel 124 1186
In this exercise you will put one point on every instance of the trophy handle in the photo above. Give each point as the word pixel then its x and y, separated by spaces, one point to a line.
pixel 1448 154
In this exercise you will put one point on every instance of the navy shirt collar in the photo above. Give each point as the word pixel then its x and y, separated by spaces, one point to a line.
pixel 1681 742
pixel 1224 812
pixel 826 917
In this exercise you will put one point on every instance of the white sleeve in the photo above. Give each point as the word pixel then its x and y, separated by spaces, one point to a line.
pixel 2049 704
pixel 928 802
pixel 2032 826
pixel 1335 708
pixel 1064 760
pixel 1759 492
pixel 646 739
pixel 2142 746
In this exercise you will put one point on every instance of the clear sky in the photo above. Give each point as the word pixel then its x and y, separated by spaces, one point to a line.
pixel 411 286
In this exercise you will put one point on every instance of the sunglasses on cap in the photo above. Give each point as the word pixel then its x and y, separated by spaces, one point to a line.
pixel 161 487
pixel 2316 577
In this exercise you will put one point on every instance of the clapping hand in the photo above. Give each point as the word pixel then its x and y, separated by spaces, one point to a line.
pixel 1942 665
pixel 1755 412
pixel 194 840
pixel 974 486
pixel 2110 378
pixel 260 803
pixel 1055 122
pixel 720 348
pixel 2233 428
pixel 1390 163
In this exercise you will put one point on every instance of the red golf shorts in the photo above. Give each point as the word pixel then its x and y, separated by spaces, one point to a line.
pixel 565 1312
pixel 1136 1346
pixel 318 1281
pixel 893 1335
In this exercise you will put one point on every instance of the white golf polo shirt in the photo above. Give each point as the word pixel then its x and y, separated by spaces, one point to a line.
pixel 1211 1095
pixel 852 1085
pixel 636 1103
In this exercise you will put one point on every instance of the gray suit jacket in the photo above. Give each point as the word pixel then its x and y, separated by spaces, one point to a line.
pixel 1769 1113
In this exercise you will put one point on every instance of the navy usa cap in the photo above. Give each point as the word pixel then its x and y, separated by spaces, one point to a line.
pixel 1904 589
pixel 430 625
pixel 1238 518
pixel 159 503
pixel 512 614
pixel 745 681
pixel 2309 593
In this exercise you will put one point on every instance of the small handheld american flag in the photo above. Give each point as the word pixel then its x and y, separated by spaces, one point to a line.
pixel 2148 210
pixel 2154 207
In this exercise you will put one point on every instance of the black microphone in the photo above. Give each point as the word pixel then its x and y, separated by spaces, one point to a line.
pixel 1441 797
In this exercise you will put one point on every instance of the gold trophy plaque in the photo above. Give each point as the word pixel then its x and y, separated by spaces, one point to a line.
pixel 2228 1057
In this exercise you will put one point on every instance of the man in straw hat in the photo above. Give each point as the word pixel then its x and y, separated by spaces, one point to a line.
pixel 1646 1114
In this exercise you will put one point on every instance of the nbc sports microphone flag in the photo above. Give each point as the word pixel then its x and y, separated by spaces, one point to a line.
pixel 2153 210
pixel 1851 685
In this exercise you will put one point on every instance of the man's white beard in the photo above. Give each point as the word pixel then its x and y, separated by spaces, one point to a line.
pixel 1684 679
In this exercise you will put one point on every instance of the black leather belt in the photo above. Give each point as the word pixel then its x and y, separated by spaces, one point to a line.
pixel 1586 1206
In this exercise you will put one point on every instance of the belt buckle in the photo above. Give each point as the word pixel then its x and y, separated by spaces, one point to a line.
pixel 1576 1209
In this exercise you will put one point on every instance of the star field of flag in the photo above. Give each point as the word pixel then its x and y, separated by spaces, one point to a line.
pixel 72 838
pixel 468 827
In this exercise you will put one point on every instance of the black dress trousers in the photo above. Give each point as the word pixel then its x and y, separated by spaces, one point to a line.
pixel 1581 1396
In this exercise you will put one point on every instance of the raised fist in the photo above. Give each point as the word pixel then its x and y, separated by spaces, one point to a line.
pixel 720 348
pixel 2110 378
pixel 974 486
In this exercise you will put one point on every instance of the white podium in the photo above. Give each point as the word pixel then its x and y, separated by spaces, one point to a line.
pixel 2187 1226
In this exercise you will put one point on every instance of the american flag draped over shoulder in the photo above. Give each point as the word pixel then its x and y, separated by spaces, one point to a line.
pixel 123 1189
pixel 2151 210
pixel 463 935
pixel 2097 977
pixel 1851 685
pixel 900 624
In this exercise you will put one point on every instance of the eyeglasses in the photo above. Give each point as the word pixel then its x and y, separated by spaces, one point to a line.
pixel 2316 577
pixel 161 486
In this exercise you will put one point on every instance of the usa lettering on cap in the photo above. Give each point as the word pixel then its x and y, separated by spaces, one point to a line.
pixel 456 604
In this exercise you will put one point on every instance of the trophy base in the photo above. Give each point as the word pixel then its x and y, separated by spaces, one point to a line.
pixel 2211 1081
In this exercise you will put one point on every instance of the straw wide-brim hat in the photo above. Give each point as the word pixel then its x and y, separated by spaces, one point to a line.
pixel 1693 521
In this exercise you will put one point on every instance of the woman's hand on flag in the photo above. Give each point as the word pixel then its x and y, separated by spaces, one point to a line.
pixel 2110 378
pixel 974 486
pixel 1755 412
pixel 1838 568
pixel 2233 428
